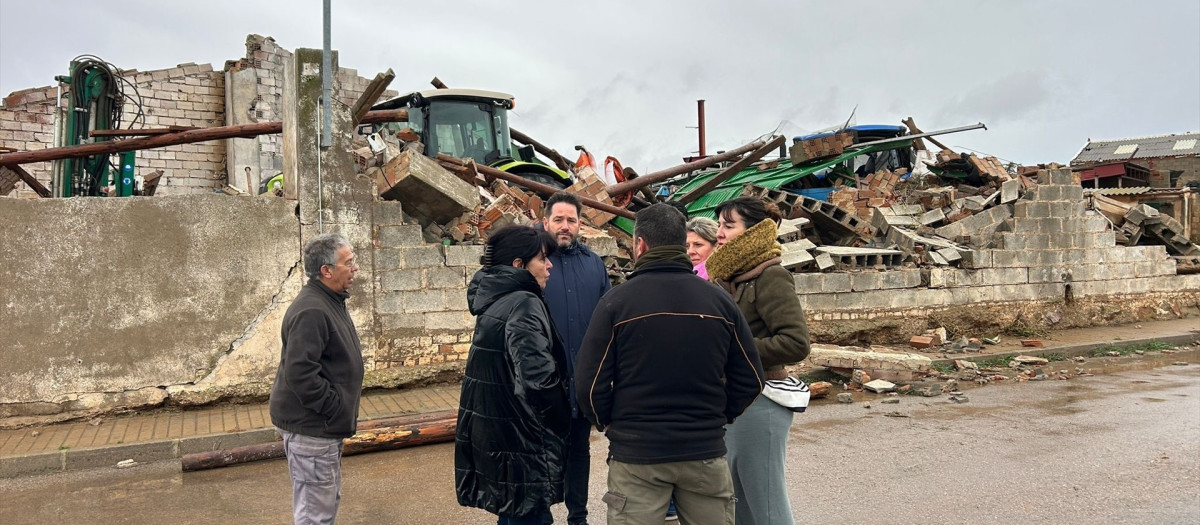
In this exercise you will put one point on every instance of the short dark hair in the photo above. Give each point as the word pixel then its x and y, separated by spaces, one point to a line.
pixel 681 207
pixel 660 225
pixel 752 210
pixel 562 196
pixel 516 242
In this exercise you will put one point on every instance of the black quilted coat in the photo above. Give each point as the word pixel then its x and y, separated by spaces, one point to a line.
pixel 513 413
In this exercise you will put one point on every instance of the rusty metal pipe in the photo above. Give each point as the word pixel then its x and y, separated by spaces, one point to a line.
pixel 172 139
pixel 659 176
pixel 700 123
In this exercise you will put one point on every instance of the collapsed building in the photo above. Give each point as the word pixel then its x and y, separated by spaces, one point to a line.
pixel 176 298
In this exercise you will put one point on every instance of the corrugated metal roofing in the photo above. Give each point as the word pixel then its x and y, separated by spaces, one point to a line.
pixel 1137 190
pixel 772 178
pixel 1176 145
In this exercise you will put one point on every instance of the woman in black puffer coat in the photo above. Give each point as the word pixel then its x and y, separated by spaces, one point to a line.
pixel 513 413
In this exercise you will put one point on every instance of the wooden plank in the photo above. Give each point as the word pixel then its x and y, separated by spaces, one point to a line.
pixel 28 179
pixel 741 164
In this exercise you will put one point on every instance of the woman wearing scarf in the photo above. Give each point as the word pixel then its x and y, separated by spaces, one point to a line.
pixel 747 265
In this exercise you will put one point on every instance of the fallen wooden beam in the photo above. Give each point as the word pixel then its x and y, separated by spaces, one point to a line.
pixel 740 165
pixel 363 105
pixel 372 436
pixel 662 175
pixel 454 163
pixel 172 139
pixel 29 180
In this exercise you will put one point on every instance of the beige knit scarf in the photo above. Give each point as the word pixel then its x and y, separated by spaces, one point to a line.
pixel 754 248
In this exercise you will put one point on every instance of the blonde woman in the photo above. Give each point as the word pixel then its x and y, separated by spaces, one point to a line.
pixel 701 241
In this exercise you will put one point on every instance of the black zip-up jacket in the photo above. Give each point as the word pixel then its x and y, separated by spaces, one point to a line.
pixel 319 382
pixel 513 414
pixel 666 363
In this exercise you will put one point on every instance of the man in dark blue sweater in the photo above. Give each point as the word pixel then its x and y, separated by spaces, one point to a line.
pixel 577 281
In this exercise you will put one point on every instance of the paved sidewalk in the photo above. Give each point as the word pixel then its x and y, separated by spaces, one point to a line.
pixel 165 434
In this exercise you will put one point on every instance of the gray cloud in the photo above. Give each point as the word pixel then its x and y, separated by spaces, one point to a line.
pixel 622 76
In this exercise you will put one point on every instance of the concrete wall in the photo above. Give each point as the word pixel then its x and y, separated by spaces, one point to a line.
pixel 114 302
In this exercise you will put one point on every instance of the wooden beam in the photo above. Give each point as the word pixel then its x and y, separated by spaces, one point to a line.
pixel 370 436
pixel 172 139
pixel 29 180
pixel 371 94
pixel 454 163
pixel 912 128
pixel 662 175
pixel 724 175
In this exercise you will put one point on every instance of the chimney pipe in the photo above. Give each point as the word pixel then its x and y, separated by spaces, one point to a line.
pixel 700 115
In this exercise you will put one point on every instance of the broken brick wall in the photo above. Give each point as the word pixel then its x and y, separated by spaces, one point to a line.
pixel 255 94
pixel 420 295
pixel 1050 255
pixel 27 124
pixel 186 95
pixel 1190 166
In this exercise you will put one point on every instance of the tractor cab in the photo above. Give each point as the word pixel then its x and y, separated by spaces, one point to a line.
pixel 467 123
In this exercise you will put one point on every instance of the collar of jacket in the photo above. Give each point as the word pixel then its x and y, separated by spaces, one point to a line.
pixel 668 265
pixel 670 252
pixel 573 249
pixel 749 250
pixel 493 282
pixel 340 297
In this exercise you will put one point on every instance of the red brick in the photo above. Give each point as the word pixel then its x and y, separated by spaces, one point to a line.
pixel 920 341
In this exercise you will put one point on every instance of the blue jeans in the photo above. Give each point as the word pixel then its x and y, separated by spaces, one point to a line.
pixel 538 517
pixel 315 466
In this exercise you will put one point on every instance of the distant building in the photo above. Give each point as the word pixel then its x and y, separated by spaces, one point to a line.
pixel 1162 161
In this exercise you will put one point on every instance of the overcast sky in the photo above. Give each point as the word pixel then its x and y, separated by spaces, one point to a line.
pixel 622 77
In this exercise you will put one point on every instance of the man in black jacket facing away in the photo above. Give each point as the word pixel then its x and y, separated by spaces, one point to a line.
pixel 314 402
pixel 666 429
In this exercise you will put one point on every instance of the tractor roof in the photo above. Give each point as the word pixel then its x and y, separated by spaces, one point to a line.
pixel 419 98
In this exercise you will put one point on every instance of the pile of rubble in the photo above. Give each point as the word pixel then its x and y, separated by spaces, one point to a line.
pixel 1141 224
pixel 456 202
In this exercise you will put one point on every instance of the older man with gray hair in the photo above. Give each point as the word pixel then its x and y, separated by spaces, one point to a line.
pixel 314 403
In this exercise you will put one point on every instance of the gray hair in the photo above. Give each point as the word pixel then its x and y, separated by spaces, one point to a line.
pixel 705 227
pixel 320 251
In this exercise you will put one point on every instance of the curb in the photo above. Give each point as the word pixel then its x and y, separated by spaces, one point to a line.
pixel 161 450
pixel 1075 350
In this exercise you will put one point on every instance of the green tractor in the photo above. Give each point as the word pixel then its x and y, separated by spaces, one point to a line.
pixel 467 123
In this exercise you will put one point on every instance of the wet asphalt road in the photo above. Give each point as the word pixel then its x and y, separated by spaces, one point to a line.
pixel 1115 448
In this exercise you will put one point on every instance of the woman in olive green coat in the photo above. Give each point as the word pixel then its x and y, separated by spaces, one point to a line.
pixel 747 265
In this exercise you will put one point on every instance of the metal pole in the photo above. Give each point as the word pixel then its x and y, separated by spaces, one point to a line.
pixel 326 84
pixel 700 111
pixel 903 138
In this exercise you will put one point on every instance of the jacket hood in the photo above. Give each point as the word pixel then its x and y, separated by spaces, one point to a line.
pixel 491 283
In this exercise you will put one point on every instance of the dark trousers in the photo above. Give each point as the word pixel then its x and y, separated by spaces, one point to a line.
pixel 579 464
pixel 537 517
